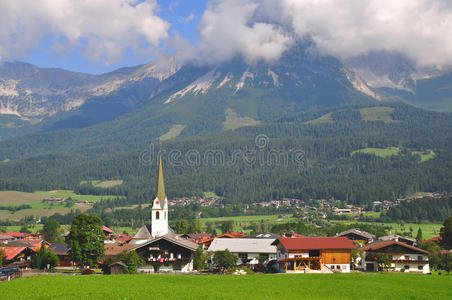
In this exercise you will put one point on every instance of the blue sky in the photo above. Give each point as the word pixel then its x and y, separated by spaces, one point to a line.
pixel 183 16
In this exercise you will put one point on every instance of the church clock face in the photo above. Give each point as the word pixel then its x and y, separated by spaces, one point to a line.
pixel 157 202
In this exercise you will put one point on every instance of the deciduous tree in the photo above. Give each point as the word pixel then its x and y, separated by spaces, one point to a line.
pixel 51 230
pixel 86 240
pixel 225 260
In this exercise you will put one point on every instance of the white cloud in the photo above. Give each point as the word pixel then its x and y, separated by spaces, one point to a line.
pixel 188 18
pixel 264 29
pixel 101 29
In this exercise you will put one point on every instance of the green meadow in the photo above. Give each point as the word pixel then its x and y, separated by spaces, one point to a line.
pixel 269 286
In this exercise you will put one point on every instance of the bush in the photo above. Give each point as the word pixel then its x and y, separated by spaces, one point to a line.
pixel 402 270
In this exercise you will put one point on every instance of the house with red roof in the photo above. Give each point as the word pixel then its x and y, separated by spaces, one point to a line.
pixel 206 241
pixel 401 257
pixel 314 254
pixel 17 256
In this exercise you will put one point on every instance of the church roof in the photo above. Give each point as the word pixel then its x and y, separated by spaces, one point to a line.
pixel 144 232
pixel 173 238
pixel 160 186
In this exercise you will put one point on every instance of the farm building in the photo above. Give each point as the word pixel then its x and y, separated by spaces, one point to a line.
pixel 401 257
pixel 62 251
pixel 357 236
pixel 321 254
pixel 19 257
pixel 399 238
pixel 252 252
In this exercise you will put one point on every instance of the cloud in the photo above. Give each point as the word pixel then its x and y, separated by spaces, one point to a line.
pixel 188 18
pixel 264 29
pixel 101 29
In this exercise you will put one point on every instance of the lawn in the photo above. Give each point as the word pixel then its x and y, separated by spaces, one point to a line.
pixel 272 286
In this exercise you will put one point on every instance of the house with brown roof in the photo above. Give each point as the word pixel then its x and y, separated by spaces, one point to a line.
pixel 314 254
pixel 401 257
pixel 357 236
pixel 205 242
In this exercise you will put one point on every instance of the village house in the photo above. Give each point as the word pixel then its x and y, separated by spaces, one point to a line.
pixel 399 238
pixel 254 253
pixel 402 257
pixel 62 251
pixel 314 254
pixel 357 236
pixel 205 242
pixel 19 257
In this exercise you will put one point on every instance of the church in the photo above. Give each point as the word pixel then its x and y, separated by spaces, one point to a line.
pixel 157 244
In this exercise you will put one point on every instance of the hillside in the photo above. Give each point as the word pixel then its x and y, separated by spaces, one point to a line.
pixel 288 157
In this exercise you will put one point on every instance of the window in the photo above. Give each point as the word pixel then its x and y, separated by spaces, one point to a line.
pixel 157 215
pixel 314 253
pixel 407 257
pixel 243 256
pixel 263 256
pixel 420 268
pixel 407 267
pixel 420 258
pixel 332 267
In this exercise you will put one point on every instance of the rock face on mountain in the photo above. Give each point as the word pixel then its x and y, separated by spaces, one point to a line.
pixel 34 93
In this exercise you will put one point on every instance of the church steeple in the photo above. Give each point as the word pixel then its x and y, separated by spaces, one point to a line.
pixel 160 186
pixel 159 213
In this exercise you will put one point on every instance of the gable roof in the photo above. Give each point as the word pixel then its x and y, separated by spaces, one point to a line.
pixel 144 232
pixel 12 252
pixel 396 237
pixel 357 232
pixel 170 237
pixel 116 248
pixel 314 243
pixel 14 234
pixel 106 229
pixel 245 245
pixel 383 244
pixel 5 237
pixel 59 248
pixel 229 234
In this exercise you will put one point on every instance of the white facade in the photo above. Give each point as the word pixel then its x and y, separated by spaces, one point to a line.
pixel 412 263
pixel 159 217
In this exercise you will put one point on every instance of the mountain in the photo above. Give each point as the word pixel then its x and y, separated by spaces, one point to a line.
pixel 33 98
pixel 394 77
pixel 305 104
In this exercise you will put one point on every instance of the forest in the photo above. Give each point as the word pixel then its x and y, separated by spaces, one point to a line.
pixel 296 158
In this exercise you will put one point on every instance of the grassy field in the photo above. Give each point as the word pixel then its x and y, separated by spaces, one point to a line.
pixel 103 184
pixel 429 230
pixel 174 131
pixel 381 152
pixel 379 113
pixel 234 121
pixel 272 286
pixel 39 208
pixel 321 120
pixel 424 156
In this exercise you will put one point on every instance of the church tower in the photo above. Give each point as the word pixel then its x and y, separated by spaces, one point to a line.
pixel 159 212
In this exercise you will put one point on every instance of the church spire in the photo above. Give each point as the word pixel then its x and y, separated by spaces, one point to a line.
pixel 160 187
